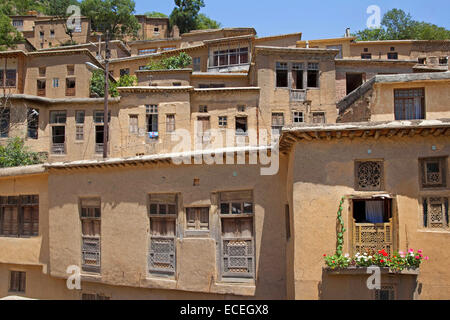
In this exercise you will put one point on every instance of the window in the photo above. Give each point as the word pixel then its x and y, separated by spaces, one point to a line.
pixel 197 64
pixel 42 71
pixel 163 215
pixel 197 219
pixel 435 212
pixel 156 30
pixel 41 35
pixel 422 60
pixel 313 75
pixel 318 117
pixel 52 33
pixel 230 57
pixel 70 70
pixel 58 117
pixel 170 123
pixel 4 122
pixel 203 109
pixel 277 121
pixel 90 215
pixel 142 67
pixel 10 78
pixel 386 292
pixel 18 24
pixel 392 48
pixel 282 75
pixel 169 48
pixel 369 175
pixel 337 47
pixel 409 104
pixel 99 116
pixel 58 140
pixel 134 124
pixel 99 138
pixel 297 75
pixel 19 216
pixel 152 121
pixel 124 72
pixel 79 120
pixel 433 172
pixel 237 243
pixel 241 126
pixel 33 123
pixel 146 51
pixel 176 84
pixel 17 281
pixel 240 108
pixel 392 55
pixel 366 50
pixel 443 61
pixel 70 87
pixel 55 82
pixel 367 56
pixel 223 121
pixel 41 88
pixel 297 117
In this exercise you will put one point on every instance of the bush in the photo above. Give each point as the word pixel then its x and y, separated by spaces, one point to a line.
pixel 171 63
pixel 15 154
pixel 98 83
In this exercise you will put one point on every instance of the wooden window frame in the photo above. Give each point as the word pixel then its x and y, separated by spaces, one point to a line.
pixel 17 281
pixel 223 122
pixel 197 227
pixel 423 172
pixel 426 203
pixel 298 115
pixel 92 216
pixel 20 203
pixel 400 102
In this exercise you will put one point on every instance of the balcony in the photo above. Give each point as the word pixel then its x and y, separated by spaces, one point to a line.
pixel 297 95
pixel 58 148
pixel 41 92
pixel 372 237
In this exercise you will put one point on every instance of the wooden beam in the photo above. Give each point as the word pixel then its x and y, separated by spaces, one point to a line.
pixel 438 132
pixel 377 134
pixel 339 134
pixel 425 132
pixel 401 133
pixel 412 133
pixel 391 133
pixel 329 136
pixel 351 134
pixel 306 136
pixel 317 135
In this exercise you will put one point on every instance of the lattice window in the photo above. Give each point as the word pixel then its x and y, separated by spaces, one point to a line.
pixel 19 216
pixel 91 235
pixel 433 172
pixel 370 238
pixel 162 246
pixel 236 212
pixel 435 212
pixel 386 292
pixel 369 175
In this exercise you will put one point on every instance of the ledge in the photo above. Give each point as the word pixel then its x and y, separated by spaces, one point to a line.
pixel 363 270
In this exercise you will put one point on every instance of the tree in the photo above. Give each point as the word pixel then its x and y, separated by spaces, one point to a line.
pixel 398 25
pixel 9 36
pixel 205 22
pixel 98 83
pixel 15 154
pixel 113 16
pixel 185 14
pixel 58 10
pixel 154 14
pixel 171 63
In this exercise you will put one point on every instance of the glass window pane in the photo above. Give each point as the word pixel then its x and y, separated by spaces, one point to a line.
pixel 224 208
pixel 236 208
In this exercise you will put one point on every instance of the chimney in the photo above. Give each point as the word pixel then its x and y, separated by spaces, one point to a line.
pixel 347 33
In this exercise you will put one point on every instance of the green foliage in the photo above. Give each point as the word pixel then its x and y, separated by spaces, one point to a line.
pixel 58 8
pixel 205 22
pixel 15 154
pixel 21 7
pixel 171 63
pixel 337 261
pixel 98 83
pixel 340 229
pixel 115 16
pixel 185 14
pixel 398 25
pixel 154 14
pixel 9 36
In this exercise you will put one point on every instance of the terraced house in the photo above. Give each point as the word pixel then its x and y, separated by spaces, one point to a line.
pixel 200 218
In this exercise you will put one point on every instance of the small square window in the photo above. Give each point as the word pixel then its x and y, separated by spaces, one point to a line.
pixel 392 55
pixel 203 109
pixel 241 108
pixel 70 70
pixel 223 121
pixel 367 56
pixel 17 281
pixel 297 117
pixel 435 212
pixel 42 71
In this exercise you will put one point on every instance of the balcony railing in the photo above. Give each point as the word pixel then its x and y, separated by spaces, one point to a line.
pixel 298 95
pixel 372 237
pixel 58 148
pixel 99 148
pixel 41 92
pixel 70 92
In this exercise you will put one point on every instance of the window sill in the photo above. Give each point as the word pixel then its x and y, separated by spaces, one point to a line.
pixel 436 231
pixel 196 234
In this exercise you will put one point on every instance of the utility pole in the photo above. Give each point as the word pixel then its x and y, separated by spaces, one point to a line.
pixel 106 112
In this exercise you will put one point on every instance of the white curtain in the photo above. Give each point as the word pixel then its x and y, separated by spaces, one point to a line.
pixel 374 211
